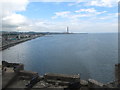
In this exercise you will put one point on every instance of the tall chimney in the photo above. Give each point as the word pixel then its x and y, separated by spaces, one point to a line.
pixel 67 29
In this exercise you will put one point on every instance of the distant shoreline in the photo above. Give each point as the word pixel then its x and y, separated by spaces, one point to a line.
pixel 13 43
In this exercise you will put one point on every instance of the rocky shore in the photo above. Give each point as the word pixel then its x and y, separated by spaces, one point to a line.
pixel 14 76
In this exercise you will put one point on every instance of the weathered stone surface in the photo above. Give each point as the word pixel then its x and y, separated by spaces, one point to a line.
pixel 20 79
pixel 84 88
pixel 84 82
pixel 117 74
pixel 62 77
pixel 95 84
pixel 8 78
pixel 28 73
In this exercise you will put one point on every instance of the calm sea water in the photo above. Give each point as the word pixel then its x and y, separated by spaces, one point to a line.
pixel 90 55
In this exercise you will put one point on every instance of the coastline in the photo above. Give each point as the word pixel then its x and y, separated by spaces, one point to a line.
pixel 13 43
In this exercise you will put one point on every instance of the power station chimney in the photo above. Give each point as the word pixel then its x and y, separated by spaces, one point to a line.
pixel 67 29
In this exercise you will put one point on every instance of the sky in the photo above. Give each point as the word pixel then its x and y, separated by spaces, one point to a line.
pixel 82 16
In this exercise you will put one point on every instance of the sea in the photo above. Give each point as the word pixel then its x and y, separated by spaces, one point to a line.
pixel 92 55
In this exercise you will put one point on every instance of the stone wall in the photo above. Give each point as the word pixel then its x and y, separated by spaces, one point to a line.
pixel 117 74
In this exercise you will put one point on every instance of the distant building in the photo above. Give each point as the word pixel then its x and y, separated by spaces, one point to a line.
pixel 67 29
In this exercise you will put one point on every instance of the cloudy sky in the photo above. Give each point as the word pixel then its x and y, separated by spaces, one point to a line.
pixel 91 16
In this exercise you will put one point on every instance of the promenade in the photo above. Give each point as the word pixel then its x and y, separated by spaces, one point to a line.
pixel 7 44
